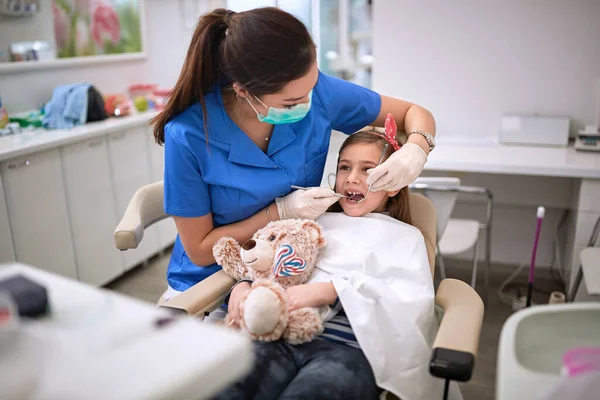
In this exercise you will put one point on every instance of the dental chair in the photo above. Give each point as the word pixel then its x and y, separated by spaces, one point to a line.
pixel 456 343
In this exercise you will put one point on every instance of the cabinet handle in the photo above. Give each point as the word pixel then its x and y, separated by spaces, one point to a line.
pixel 19 165
pixel 118 137
pixel 96 143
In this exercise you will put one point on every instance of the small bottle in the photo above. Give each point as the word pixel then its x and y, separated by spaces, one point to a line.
pixel 557 298
pixel 3 116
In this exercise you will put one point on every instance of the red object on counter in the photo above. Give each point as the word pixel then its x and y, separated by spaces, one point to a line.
pixel 141 89
pixel 160 97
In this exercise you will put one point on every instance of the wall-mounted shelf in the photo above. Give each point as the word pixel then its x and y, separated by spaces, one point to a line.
pixel 19 8
pixel 27 66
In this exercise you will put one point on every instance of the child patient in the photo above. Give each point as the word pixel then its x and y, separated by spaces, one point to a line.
pixel 359 154
pixel 320 369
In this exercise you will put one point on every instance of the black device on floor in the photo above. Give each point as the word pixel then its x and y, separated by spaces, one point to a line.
pixel 30 298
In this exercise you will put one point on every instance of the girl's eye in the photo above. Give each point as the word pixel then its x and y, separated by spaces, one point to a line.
pixel 343 168
pixel 272 238
pixel 365 169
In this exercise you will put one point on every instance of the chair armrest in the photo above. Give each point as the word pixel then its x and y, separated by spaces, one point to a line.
pixel 204 296
pixel 144 209
pixel 457 340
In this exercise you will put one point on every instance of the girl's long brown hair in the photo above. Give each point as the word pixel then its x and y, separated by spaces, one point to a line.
pixel 261 49
pixel 398 206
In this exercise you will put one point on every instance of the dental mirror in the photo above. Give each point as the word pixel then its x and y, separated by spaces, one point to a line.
pixel 351 197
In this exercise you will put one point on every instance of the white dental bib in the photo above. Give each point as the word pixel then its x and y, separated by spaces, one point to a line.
pixel 381 272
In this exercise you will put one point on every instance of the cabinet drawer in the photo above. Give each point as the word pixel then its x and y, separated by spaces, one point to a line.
pixel 585 226
pixel 37 209
pixel 589 197
pixel 7 252
pixel 92 210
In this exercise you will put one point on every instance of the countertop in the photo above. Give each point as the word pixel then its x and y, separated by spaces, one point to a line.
pixel 515 160
pixel 31 141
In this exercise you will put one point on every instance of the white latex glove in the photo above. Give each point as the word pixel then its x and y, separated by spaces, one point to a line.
pixel 305 204
pixel 398 171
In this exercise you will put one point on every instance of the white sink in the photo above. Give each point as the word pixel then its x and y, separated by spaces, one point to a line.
pixel 533 342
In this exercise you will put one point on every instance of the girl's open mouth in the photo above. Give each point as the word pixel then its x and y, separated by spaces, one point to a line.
pixel 354 196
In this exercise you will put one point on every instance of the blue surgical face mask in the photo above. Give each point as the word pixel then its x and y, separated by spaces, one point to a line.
pixel 278 116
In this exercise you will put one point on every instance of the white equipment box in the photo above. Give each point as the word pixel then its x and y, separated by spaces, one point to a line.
pixel 535 130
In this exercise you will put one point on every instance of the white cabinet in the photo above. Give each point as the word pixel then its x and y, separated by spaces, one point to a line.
pixel 39 219
pixel 131 170
pixel 7 252
pixel 167 230
pixel 92 210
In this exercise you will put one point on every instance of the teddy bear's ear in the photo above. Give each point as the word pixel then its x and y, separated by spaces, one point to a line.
pixel 315 232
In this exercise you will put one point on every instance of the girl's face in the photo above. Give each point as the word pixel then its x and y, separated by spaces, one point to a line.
pixel 351 179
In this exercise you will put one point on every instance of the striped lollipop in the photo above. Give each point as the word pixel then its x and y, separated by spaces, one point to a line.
pixel 288 263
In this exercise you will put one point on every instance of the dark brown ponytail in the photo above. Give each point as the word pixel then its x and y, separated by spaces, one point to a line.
pixel 261 49
pixel 199 72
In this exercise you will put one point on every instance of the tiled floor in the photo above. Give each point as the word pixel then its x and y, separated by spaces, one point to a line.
pixel 148 282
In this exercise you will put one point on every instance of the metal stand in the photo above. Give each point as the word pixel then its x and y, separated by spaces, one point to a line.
pixel 446 388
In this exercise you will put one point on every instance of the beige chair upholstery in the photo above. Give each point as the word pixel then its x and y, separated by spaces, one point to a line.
pixel 457 339
pixel 144 209
pixel 463 308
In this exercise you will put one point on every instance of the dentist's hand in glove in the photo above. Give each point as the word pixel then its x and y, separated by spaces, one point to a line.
pixel 305 204
pixel 399 170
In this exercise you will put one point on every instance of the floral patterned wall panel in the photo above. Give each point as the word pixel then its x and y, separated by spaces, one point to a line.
pixel 96 27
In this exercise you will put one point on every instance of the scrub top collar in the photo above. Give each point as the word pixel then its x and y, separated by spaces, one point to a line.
pixel 242 149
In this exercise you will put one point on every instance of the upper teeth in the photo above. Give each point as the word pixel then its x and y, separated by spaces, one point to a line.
pixel 353 193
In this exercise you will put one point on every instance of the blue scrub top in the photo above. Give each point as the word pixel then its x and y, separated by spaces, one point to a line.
pixel 233 178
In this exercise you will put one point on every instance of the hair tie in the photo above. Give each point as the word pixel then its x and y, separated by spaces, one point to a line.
pixel 228 15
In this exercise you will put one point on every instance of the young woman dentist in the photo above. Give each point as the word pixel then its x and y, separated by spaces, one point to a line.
pixel 250 115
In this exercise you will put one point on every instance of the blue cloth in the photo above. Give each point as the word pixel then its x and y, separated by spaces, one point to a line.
pixel 68 106
pixel 233 179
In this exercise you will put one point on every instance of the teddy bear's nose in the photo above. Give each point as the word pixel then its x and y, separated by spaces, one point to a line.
pixel 249 245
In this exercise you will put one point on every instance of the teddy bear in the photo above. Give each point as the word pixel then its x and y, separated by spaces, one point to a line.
pixel 280 255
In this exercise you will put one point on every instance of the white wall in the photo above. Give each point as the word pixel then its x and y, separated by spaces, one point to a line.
pixel 168 38
pixel 470 61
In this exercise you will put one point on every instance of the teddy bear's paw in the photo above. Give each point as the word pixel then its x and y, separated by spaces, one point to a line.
pixel 227 254
pixel 303 326
pixel 226 248
pixel 264 311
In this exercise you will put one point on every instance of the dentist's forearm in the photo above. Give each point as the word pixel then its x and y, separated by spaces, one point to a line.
pixel 202 253
pixel 419 118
